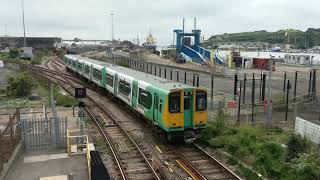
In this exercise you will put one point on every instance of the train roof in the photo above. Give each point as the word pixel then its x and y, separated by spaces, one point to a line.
pixel 140 76
pixel 151 79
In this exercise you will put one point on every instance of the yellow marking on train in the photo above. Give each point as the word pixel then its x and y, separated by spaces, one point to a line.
pixel 186 169
pixel 199 115
pixel 173 118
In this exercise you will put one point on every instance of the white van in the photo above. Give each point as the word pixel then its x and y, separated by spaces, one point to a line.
pixel 26 53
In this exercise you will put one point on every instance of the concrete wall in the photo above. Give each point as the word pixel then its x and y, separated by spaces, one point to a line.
pixel 308 130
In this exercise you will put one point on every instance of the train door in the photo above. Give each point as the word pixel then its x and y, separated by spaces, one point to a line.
pixel 155 107
pixel 187 111
pixel 134 93
pixel 115 84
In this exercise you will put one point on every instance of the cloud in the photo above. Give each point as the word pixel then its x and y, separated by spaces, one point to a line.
pixel 90 19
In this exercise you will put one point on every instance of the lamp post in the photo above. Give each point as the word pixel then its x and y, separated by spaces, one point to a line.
pixel 112 28
pixel 24 28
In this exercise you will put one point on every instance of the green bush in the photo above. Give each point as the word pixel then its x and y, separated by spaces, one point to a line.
pixel 37 59
pixel 296 144
pixel 213 130
pixel 279 104
pixel 247 173
pixel 306 166
pixel 270 159
pixel 66 101
pixel 20 85
pixel 232 161
pixel 14 53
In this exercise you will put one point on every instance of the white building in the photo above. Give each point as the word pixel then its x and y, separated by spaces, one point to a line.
pixel 299 59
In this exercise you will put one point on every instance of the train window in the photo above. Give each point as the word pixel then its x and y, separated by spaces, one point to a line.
pixel 124 87
pixel 201 101
pixel 96 73
pixel 160 106
pixel 74 64
pixel 145 98
pixel 80 66
pixel 109 78
pixel 86 69
pixel 174 102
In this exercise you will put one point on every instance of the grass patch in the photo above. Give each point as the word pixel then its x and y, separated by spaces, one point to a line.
pixel 272 152
pixel 66 101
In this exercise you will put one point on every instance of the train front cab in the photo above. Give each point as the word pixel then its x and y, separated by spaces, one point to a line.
pixel 187 114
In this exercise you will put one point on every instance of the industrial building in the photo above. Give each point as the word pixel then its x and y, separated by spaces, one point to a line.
pixel 34 42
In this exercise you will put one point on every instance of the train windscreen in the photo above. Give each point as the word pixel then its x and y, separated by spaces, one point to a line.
pixel 201 101
pixel 174 102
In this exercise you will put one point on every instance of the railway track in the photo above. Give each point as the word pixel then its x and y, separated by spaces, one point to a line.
pixel 129 156
pixel 131 161
pixel 201 165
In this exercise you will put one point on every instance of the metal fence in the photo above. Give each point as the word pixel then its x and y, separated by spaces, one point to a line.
pixel 42 133
pixel 9 138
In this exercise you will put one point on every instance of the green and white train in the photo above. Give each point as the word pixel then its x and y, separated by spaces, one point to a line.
pixel 178 110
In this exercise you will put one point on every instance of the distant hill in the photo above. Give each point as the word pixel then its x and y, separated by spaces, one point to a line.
pixel 297 37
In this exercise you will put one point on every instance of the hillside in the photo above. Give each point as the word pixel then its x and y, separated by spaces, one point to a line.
pixel 297 37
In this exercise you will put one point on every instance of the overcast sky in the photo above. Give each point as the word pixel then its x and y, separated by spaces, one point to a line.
pixel 90 19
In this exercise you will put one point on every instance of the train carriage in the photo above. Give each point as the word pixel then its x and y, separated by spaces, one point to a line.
pixel 178 110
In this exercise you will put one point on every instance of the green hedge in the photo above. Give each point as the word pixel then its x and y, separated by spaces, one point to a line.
pixel 272 152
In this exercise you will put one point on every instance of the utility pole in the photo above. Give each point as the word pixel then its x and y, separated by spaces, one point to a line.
pixel 112 27
pixel 24 27
pixel 5 30
pixel 269 91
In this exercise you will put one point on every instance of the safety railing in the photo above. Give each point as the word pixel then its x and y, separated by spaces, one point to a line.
pixel 79 145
